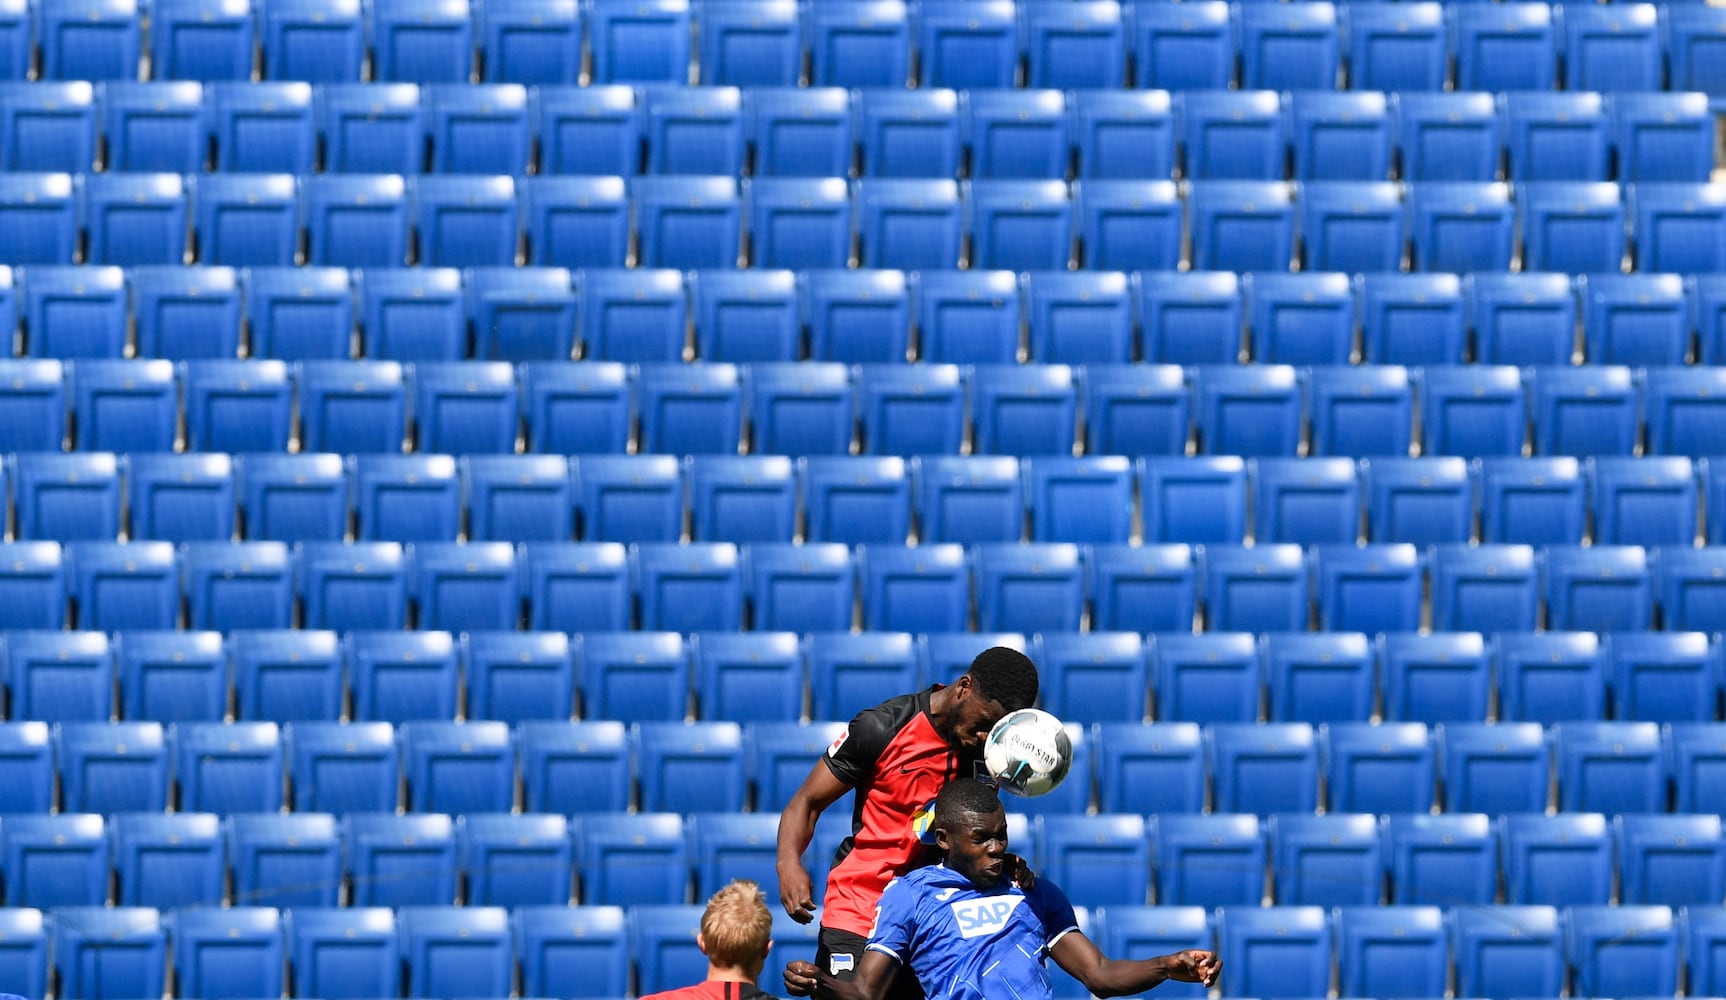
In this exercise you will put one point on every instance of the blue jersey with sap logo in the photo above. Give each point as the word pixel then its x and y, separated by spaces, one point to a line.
pixel 967 943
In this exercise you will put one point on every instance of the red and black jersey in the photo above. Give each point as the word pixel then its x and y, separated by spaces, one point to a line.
pixel 897 762
pixel 713 990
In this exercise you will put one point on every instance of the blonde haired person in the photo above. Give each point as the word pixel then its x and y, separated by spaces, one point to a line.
pixel 736 934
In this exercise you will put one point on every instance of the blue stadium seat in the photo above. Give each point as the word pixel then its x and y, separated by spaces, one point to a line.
pixel 227 768
pixel 1263 768
pixel 1686 587
pixel 575 221
pixel 1105 857
pixel 397 861
pixel 32 405
pixel 50 126
pixel 1678 405
pixel 1079 317
pixel 1485 588
pixel 524 314
pixel 419 43
pixel 1435 676
pixel 29 783
pixel 688 222
pixel 247 219
pixel 690 409
pixel 1252 411
pixel 112 767
pixel 689 587
pixel 1215 859
pixel 1635 319
pixel 968 46
pixel 402 677
pixel 124 406
pixel 660 938
pixel 633 676
pixel 1293 49
pixel 855 499
pixel 1506 949
pixel 780 755
pixel 465 587
pixel 373 128
pixel 292 861
pixel 968 317
pixel 1018 134
pixel 1471 411
pixel 1241 225
pixel 465 221
pixel 1394 950
pixel 858 316
pixel 1460 227
pixel 154 126
pixel 1279 950
pixel 1690 50
pixel 1616 949
pixel 1340 137
pixel 74 312
pixel 1444 860
pixel 1418 500
pixel 1257 589
pixel 1310 501
pixel 294 498
pixel 1128 225
pixel 186 312
pixel 415 314
pixel 458 767
pixel 859 43
pixel 1074 47
pixel 201 40
pixel 849 672
pixel 1663 677
pixel 1557 137
pixel 574 768
pixel 299 313
pixel 635 43
pixel 631 859
pixel 968 499
pixel 922 589
pixel 180 498
pixel 263 126
pixel 800 588
pixel 344 952
pixel 319 41
pixel 1702 936
pixel 799 222
pixel 517 498
pixel 635 316
pixel 909 134
pixel 351 407
pixel 1493 768
pixel 1020 225
pixel 221 952
pixel 689 768
pixel 1663 137
pixel 511 676
pixel 1676 860
pixel 108 951
pixel 1448 136
pixel 33 584
pixel 1678 229
pixel 565 949
pixel 908 223
pixel 593 130
pixel 1318 677
pixel 465 408
pixel 1642 501
pixel 725 847
pixel 515 861
pixel 1191 317
pixel 751 677
pixel 356 220
pixel 1604 588
pixel 1561 860
pixel 1135 410
pixel 451 949
pixel 1123 135
pixel 1550 676
pixel 287 675
pixel 1330 860
pixel 1585 411
pixel 66 497
pixel 1087 500
pixel 531 42
pixel 629 498
pixel 1214 676
pixel 57 861
pixel 1613 50
pixel 406 498
pixel 1531 501
pixel 16 50
pixel 173 676
pixel 341 768
pixel 749 43
pixel 1303 318
pixel 694 131
pixel 1351 226
pixel 1397 50
pixel 121 585
pixel 1023 410
pixel 476 129
pixel 1096 676
pixel 1377 768
pixel 362 585
pixel 1233 135
pixel 792 131
pixel 1128 752
pixel 1570 227
pixel 1372 588
pixel 1181 49
pixel 1609 767
pixel 800 408
pixel 1029 587
pixel 1514 48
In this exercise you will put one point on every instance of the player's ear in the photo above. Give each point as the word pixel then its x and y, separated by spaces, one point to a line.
pixel 942 840
pixel 701 942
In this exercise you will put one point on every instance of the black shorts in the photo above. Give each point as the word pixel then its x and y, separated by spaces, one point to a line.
pixel 840 944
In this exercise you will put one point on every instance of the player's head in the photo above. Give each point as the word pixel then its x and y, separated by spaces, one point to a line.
pixel 971 827
pixel 1000 680
pixel 736 928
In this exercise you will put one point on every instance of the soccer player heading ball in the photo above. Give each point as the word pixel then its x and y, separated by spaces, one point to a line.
pixel 969 932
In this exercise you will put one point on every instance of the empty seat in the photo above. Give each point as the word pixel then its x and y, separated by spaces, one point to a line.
pixel 630 498
pixel 458 767
pixel 595 936
pixel 294 498
pixel 356 220
pixel 1128 751
pixel 1609 767
pixel 1448 136
pixel 1330 860
pixel 1020 225
pixel 1309 501
pixel 690 587
pixel 201 40
pixel 67 497
pixel 909 133
pixel 1678 411
pixel 794 132
pixel 633 676
pixel 372 128
pixel 1257 589
pixel 184 312
pixel 923 589
pixel 155 126
pixel 351 407
pixel 969 499
pixel 238 406
pixel 1531 501
pixel 119 950
pixel 848 672
pixel 575 221
pixel 117 585
pixel 568 409
pixel 1635 319
pixel 1662 677
pixel 293 860
pixel 406 498
pixel 631 859
pixel 1271 767
pixel 694 767
pixel 1560 860
pixel 1074 47
pixel 450 949
pixel 1029 587
pixel 861 43
pixel 966 46
pixel 348 952
pixel 1445 860
pixel 1686 587
pixel 1378 768
pixel 465 221
pixel 1214 859
pixel 1701 937
pixel 221 952
pixel 420 44
pixel 1080 499
pixel 1394 950
pixel 1485 588
pixel 855 499
pixel 238 585
pixel 263 127
pixel 247 219
pixel 1128 225
pixel 1494 768
pixel 968 317
pixel 1435 676
pixel 465 587
pixel 1513 48
pixel 689 409
pixel 1611 947
pixel 59 860
pixel 1672 860
pixel 511 676
pixel 633 316
pixel 1662 137
pixel 517 498
pixel 228 767
pixel 746 677
pixel 1352 227
pixel 1606 587
pixel 754 44
pixel 1678 229
pixel 414 314
pixel 344 767
pixel 1301 318
pixel 800 408
pixel 397 861
pixel 1241 225
pixel 465 408
pixel 1314 678
pixel 1590 410
pixel 124 406
pixel 688 222
pixel 1646 501
pixel 180 498
pixel 1212 677
pixel 691 131
pixel 569 768
pixel 1570 227
pixel 1557 137
pixel 1018 134
pixel 32 405
pixel 1460 227
pixel 1251 411
pixel 526 314
pixel 1105 857
pixel 1372 588
pixel 287 675
pixel 640 44
pixel 858 316
pixel 1079 318
pixel 1023 410
pixel 799 222
pixel 516 861
pixel 1233 134
pixel 1123 135
pixel 33 583
pixel 1398 50
pixel 402 677
pixel 110 767
pixel 1341 136
pixel 52 126
pixel 320 41
pixel 299 313
pixel 1135 410
pixel 1612 50
pixel 1504 950
pixel 74 312
pixel 1297 49
pixel 362 585
pixel 1419 500
pixel 594 130
pixel 1182 50
pixel 476 129
pixel 1191 317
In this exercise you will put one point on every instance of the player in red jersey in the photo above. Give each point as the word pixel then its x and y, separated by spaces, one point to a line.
pixel 736 934
pixel 897 756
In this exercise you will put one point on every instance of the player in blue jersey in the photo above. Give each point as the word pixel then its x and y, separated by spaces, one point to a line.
pixel 970 933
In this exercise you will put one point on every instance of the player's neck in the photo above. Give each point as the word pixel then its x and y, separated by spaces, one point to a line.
pixel 730 974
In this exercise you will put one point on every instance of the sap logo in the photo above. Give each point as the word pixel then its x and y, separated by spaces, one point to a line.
pixel 977 917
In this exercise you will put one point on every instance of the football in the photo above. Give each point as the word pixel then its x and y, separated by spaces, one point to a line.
pixel 1028 752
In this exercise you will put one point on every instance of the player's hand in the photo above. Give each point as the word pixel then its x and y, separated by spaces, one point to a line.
pixel 800 978
pixel 1195 966
pixel 1020 872
pixel 796 893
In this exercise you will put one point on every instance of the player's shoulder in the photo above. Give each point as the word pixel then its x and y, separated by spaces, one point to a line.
pixel 895 712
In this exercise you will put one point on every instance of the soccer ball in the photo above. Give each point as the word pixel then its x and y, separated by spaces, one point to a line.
pixel 1028 752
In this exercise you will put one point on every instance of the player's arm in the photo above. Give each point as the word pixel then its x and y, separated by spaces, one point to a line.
pixel 796 828
pixel 874 973
pixel 1116 977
